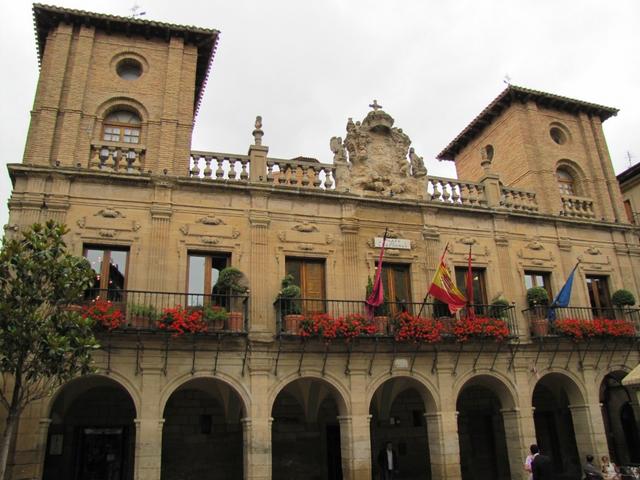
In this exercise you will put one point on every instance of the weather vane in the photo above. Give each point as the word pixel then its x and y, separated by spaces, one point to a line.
pixel 134 11
pixel 507 79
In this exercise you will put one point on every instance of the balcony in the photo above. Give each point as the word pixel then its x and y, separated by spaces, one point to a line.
pixel 403 321
pixel 176 313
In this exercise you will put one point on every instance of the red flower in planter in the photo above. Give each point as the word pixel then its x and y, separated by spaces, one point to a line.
pixel 104 314
pixel 598 327
pixel 180 320
pixel 325 326
pixel 417 329
pixel 466 328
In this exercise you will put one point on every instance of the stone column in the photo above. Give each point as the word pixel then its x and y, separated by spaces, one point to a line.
pixel 589 429
pixel 515 441
pixel 257 428
pixel 350 259
pixel 262 315
pixel 148 449
pixel 355 441
pixel 161 213
pixel 41 447
pixel 444 447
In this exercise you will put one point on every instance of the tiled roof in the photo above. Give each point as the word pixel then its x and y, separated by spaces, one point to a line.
pixel 47 17
pixel 509 95
pixel 629 173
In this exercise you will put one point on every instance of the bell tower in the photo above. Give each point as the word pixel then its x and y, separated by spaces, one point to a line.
pixel 115 93
pixel 548 144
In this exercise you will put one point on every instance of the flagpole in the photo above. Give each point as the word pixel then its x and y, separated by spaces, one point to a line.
pixel 424 301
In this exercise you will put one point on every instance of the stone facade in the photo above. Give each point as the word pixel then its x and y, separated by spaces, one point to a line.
pixel 259 404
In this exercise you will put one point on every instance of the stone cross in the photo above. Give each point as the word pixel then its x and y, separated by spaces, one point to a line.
pixel 375 105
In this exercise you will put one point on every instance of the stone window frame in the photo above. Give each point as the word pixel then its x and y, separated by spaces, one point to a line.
pixel 559 134
pixel 131 56
pixel 577 186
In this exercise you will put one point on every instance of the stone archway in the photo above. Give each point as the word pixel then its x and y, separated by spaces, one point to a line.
pixel 398 409
pixel 202 436
pixel 553 416
pixel 488 432
pixel 621 418
pixel 92 432
pixel 306 432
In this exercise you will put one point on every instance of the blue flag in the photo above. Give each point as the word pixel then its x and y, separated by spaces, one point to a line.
pixel 563 298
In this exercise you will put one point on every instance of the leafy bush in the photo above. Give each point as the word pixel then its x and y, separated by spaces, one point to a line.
pixel 214 314
pixel 537 296
pixel 623 297
pixel 230 279
pixel 145 311
pixel 288 295
pixel 499 308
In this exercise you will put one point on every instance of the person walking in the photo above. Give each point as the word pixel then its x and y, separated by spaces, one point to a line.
pixel 388 462
pixel 591 472
pixel 541 468
pixel 609 469
pixel 527 464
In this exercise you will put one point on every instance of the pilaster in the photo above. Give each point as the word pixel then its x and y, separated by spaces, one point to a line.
pixel 148 448
pixel 444 446
pixel 262 318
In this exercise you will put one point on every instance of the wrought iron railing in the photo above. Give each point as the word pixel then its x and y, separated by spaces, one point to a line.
pixel 143 310
pixel 586 314
pixel 340 308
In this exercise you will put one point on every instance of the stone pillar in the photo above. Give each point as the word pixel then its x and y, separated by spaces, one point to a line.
pixel 444 447
pixel 258 165
pixel 355 441
pixel 41 447
pixel 257 429
pixel 350 259
pixel 491 184
pixel 516 445
pixel 589 429
pixel 159 254
pixel 262 315
pixel 148 449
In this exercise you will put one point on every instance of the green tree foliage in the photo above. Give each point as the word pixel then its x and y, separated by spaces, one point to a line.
pixel 42 343
pixel 622 297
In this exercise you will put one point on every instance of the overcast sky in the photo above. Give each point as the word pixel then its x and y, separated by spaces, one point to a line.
pixel 306 66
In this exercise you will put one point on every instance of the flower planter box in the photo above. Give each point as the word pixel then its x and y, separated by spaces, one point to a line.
pixel 292 323
pixel 236 321
pixel 539 327
pixel 216 325
pixel 382 324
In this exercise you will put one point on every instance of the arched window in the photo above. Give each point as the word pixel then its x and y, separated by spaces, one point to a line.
pixel 566 182
pixel 121 126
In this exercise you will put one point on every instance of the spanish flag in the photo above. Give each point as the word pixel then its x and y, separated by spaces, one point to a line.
pixel 443 288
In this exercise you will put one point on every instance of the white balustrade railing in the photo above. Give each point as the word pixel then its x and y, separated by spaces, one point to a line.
pixel 301 173
pixel 455 192
pixel 577 207
pixel 115 158
pixel 219 166
pixel 516 199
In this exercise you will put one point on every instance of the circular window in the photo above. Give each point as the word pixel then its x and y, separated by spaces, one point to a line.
pixel 558 136
pixel 129 69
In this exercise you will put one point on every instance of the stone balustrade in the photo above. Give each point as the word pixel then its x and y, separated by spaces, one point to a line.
pixel 116 158
pixel 455 192
pixel 219 166
pixel 516 199
pixel 577 207
pixel 301 173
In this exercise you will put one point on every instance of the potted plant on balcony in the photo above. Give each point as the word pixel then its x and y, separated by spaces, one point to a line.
pixel 622 298
pixel 499 308
pixel 215 316
pixel 234 283
pixel 290 307
pixel 104 314
pixel 538 301
pixel 381 313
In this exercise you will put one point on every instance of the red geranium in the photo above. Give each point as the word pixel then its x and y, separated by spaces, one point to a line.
pixel 598 327
pixel 466 328
pixel 104 314
pixel 325 326
pixel 418 329
pixel 182 320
